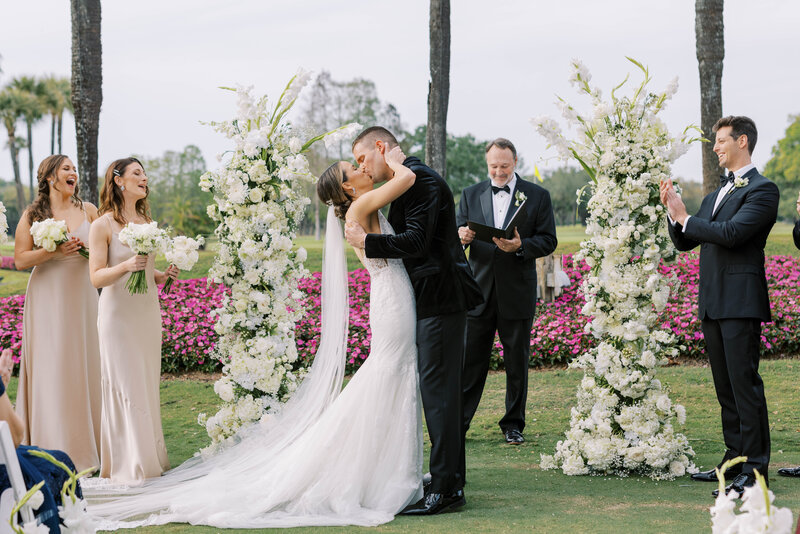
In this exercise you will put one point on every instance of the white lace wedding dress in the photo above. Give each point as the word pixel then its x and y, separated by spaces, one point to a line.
pixel 332 456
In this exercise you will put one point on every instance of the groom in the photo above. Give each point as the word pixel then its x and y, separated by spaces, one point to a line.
pixel 427 241
pixel 731 228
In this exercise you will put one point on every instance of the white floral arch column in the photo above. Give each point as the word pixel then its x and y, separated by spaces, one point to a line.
pixel 623 421
pixel 259 202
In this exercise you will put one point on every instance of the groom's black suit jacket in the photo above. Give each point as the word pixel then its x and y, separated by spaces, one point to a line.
pixel 796 234
pixel 733 284
pixel 512 276
pixel 427 241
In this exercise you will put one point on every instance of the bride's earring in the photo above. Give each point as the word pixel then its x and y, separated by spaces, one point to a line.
pixel 122 188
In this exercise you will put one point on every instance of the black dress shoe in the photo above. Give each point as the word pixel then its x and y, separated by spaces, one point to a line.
pixel 514 436
pixel 789 471
pixel 711 475
pixel 436 503
pixel 742 481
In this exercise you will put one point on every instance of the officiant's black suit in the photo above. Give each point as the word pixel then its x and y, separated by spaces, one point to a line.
pixel 426 239
pixel 508 283
pixel 733 302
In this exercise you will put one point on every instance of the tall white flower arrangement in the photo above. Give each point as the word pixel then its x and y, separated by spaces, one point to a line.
pixel 623 421
pixel 259 202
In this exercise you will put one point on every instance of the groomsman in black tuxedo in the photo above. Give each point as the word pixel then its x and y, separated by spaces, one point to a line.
pixel 506 271
pixel 731 228
pixel 793 471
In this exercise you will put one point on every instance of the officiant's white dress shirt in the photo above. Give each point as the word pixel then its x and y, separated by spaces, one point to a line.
pixel 501 201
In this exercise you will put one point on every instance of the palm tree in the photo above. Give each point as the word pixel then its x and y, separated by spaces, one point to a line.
pixel 57 100
pixel 710 44
pixel 12 102
pixel 87 88
pixel 32 111
pixel 439 86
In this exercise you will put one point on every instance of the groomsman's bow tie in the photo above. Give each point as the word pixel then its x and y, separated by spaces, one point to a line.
pixel 505 188
pixel 724 180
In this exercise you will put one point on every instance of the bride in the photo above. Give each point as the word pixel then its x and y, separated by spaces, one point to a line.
pixel 331 456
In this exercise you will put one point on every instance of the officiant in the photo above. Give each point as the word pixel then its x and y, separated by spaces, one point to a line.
pixel 506 271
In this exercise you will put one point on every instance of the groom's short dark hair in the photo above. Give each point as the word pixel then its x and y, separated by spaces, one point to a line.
pixel 376 133
pixel 740 125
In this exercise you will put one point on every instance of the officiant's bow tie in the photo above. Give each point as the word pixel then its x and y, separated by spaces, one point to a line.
pixel 505 188
pixel 725 179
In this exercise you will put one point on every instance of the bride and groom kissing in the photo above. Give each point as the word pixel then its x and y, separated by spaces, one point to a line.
pixel 351 456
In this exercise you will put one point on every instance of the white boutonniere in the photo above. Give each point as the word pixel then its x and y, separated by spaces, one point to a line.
pixel 739 182
pixel 519 198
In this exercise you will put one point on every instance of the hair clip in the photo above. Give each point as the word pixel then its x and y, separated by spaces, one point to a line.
pixel 115 172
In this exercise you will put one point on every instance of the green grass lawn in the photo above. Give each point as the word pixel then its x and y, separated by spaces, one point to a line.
pixel 506 490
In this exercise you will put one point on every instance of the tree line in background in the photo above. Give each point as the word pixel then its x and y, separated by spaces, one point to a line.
pixel 178 202
pixel 25 101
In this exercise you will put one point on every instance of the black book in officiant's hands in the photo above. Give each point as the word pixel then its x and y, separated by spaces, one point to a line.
pixel 486 233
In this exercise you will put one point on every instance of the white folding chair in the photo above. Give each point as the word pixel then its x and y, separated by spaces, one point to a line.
pixel 12 495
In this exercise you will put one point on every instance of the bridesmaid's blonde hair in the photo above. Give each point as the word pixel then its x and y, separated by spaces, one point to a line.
pixel 39 209
pixel 111 199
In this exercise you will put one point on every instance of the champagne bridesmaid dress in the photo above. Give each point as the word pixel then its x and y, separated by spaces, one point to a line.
pixel 59 378
pixel 132 441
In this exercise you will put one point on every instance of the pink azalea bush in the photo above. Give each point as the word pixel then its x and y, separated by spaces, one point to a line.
pixel 558 333
pixel 7 262
pixel 188 336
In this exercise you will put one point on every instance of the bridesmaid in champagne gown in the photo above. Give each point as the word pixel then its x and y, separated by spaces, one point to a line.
pixel 132 441
pixel 59 380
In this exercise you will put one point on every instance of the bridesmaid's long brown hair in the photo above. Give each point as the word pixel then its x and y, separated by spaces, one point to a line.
pixel 39 209
pixel 111 196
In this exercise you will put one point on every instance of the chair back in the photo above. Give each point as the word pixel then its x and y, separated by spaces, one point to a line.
pixel 12 495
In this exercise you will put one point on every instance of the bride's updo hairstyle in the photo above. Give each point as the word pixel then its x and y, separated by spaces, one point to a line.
pixel 331 192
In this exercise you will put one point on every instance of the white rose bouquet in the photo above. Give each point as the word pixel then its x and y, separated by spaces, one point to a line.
pixel 182 253
pixel 143 239
pixel 50 233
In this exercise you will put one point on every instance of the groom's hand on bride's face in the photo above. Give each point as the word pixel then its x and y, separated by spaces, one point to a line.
pixel 354 234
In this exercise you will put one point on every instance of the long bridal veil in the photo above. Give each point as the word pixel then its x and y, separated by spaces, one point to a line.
pixel 202 487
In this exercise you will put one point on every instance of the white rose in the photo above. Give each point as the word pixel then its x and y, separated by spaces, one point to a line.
pixel 256 195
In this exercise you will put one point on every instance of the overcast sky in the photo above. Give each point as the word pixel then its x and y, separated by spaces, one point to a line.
pixel 163 61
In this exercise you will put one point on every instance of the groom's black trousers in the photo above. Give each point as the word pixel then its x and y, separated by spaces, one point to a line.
pixel 733 352
pixel 440 345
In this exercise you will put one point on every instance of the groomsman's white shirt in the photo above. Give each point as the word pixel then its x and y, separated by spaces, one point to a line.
pixel 501 202
pixel 722 192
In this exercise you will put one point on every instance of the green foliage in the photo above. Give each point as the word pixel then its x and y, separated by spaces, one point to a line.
pixel 465 160
pixel 176 199
pixel 784 169
pixel 328 104
pixel 562 184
